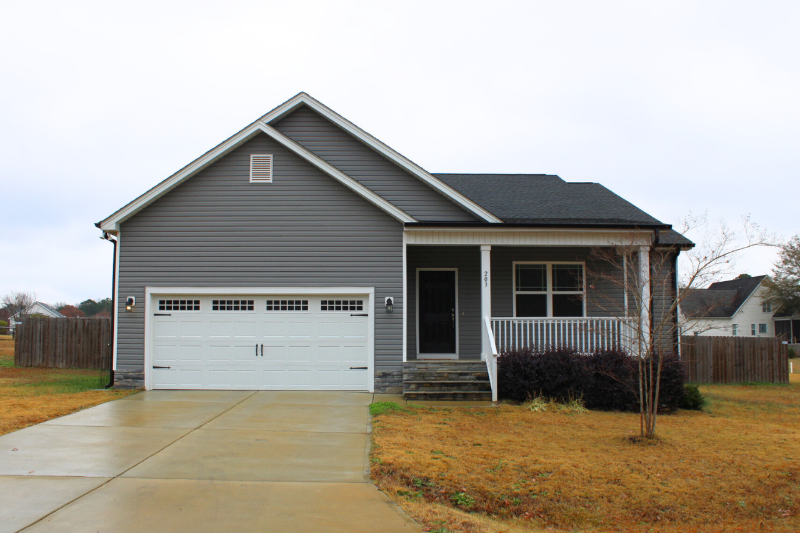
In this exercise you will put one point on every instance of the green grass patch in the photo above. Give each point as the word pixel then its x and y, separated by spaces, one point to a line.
pixel 378 408
pixel 66 383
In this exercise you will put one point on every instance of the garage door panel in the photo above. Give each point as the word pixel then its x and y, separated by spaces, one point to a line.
pixel 190 354
pixel 294 347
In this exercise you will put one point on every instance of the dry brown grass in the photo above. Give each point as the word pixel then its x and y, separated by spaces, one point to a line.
pixel 29 396
pixel 732 467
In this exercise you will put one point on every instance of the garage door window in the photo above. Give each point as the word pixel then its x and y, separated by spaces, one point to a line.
pixel 342 305
pixel 232 305
pixel 179 305
pixel 287 305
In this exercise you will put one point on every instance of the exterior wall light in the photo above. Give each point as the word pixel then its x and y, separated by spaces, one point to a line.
pixel 130 303
pixel 389 304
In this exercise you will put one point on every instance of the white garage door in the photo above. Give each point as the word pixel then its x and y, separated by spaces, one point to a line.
pixel 260 342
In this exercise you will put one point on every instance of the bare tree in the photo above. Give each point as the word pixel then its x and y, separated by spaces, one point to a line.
pixel 639 282
pixel 19 304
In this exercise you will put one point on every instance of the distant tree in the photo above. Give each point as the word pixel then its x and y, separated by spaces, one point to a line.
pixel 19 303
pixel 58 306
pixel 91 307
pixel 71 311
pixel 744 276
pixel 103 314
pixel 783 290
pixel 37 315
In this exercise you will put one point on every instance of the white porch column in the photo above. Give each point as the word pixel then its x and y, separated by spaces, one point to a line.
pixel 644 284
pixel 486 297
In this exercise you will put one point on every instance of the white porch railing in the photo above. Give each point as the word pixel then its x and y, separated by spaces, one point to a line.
pixel 491 358
pixel 582 334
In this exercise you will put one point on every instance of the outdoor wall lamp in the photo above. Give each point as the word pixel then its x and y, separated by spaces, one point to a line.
pixel 129 303
pixel 389 304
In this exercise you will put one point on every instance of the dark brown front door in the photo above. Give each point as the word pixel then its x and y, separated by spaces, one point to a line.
pixel 437 311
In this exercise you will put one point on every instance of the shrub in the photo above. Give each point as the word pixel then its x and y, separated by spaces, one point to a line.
pixel 692 398
pixel 605 380
pixel 791 352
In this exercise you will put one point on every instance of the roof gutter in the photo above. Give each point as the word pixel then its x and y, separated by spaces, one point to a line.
pixel 467 225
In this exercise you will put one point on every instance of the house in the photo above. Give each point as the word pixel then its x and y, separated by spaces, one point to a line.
pixel 729 308
pixel 303 253
pixel 38 308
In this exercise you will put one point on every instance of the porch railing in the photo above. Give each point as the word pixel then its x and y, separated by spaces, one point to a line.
pixel 582 334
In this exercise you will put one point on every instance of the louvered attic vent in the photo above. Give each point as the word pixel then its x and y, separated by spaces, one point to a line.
pixel 260 168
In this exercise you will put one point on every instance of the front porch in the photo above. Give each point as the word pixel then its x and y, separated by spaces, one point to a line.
pixel 466 304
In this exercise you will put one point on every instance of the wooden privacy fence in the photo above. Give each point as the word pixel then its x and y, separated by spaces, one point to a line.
pixel 735 359
pixel 63 343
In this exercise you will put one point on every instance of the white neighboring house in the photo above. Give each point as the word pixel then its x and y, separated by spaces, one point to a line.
pixel 729 308
pixel 38 309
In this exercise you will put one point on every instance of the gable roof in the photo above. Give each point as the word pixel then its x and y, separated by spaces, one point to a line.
pixel 43 309
pixel 544 198
pixel 112 222
pixel 720 300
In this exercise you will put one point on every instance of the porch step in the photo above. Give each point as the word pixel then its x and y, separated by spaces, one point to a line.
pixel 452 396
pixel 441 386
pixel 446 380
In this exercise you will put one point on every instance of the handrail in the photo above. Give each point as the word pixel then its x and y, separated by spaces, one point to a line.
pixel 491 361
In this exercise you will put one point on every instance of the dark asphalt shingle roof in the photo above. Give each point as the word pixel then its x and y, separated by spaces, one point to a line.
pixel 721 299
pixel 542 198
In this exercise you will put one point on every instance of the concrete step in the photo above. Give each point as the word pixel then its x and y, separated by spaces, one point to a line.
pixel 454 396
pixel 444 375
pixel 446 386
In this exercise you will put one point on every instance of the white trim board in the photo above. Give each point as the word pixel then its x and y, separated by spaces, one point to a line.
pixel 526 237
pixel 113 222
pixel 151 292
pixel 419 355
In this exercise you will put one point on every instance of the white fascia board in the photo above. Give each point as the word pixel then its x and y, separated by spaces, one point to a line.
pixel 111 224
pixel 505 236
pixel 381 148
pixel 335 173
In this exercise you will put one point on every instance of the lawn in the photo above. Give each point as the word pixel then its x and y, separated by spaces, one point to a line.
pixel 29 396
pixel 731 467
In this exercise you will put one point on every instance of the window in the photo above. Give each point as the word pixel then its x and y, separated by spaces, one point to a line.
pixel 766 307
pixel 762 329
pixel 287 305
pixel 753 329
pixel 232 305
pixel 342 305
pixel 548 289
pixel 260 168
pixel 179 305
pixel 734 329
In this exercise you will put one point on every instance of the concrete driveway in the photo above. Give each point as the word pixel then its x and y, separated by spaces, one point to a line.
pixel 198 461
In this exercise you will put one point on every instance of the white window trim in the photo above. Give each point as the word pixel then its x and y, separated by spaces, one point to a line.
pixel 458 322
pixel 271 163
pixel 753 330
pixel 158 304
pixel 734 330
pixel 549 292
pixel 153 293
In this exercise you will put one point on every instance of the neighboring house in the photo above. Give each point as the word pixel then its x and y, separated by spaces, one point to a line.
pixel 303 253
pixel 38 309
pixel 729 308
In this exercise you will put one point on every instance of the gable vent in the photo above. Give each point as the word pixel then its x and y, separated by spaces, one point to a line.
pixel 260 168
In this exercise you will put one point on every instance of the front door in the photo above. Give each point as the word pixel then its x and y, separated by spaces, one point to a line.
pixel 437 311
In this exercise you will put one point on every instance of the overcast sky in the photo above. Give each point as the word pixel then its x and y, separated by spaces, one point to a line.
pixel 677 107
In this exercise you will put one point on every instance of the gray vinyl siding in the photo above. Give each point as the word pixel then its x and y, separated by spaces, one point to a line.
pixel 604 298
pixel 662 269
pixel 368 167
pixel 467 260
pixel 303 230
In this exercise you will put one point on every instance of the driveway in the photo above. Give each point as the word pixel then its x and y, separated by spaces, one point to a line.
pixel 198 461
